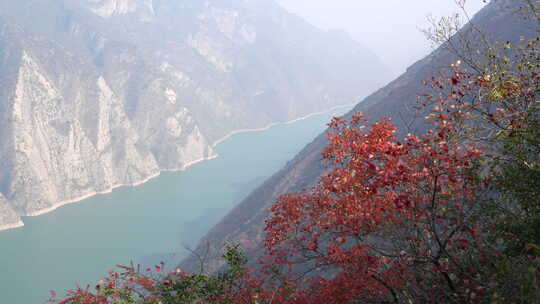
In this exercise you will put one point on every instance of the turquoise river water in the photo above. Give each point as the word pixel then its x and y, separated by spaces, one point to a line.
pixel 77 243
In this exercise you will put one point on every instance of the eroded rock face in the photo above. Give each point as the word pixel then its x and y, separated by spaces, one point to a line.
pixel 8 216
pixel 108 8
pixel 100 93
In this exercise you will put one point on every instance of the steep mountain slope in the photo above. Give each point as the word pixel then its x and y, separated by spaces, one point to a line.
pixel 100 93
pixel 245 223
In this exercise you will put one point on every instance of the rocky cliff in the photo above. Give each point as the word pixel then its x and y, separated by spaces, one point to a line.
pixel 244 225
pixel 95 94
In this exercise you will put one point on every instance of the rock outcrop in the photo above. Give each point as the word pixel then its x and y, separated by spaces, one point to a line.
pixel 96 94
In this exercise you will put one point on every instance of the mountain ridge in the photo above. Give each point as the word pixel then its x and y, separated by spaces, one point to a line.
pixel 96 99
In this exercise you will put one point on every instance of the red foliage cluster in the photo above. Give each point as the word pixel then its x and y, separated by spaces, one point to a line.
pixel 485 104
pixel 388 214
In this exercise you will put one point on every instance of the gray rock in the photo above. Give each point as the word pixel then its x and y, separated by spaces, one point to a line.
pixel 96 94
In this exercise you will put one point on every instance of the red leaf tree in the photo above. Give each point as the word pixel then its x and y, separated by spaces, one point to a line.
pixel 392 221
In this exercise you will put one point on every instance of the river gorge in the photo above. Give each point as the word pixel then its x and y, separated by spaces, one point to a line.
pixel 146 224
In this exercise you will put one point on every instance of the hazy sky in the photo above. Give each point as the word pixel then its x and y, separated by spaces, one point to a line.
pixel 390 28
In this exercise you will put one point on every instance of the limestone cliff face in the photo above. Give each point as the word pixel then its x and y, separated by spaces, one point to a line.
pixel 100 93
pixel 8 216
pixel 108 8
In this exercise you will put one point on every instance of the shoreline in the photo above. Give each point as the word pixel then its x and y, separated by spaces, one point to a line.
pixel 19 224
pixel 155 175
pixel 112 188
pixel 235 132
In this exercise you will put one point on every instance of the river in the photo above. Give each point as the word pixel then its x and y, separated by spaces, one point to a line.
pixel 77 243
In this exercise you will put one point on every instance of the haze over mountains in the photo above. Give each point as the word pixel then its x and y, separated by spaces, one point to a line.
pixel 245 224
pixel 100 93
pixel 391 28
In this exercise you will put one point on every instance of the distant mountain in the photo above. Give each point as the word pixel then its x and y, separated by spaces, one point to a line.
pixel 100 93
pixel 397 100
